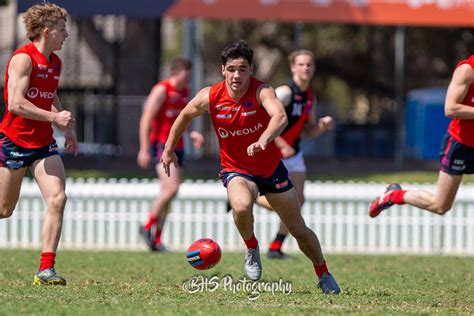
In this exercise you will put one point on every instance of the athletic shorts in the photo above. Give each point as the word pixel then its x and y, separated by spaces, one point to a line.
pixel 15 157
pixel 278 182
pixel 456 158
pixel 157 151
pixel 295 163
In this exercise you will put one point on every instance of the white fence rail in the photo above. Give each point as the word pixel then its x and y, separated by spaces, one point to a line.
pixel 106 214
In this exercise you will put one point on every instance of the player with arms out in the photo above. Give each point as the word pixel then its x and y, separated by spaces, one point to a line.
pixel 457 150
pixel 298 99
pixel 26 134
pixel 247 117
pixel 165 101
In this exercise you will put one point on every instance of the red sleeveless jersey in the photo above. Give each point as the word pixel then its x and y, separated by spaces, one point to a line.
pixel 239 124
pixel 173 104
pixel 41 90
pixel 463 130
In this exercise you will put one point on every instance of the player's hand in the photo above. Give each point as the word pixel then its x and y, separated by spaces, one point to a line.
pixel 168 158
pixel 326 123
pixel 197 139
pixel 255 148
pixel 144 159
pixel 70 143
pixel 287 151
pixel 64 120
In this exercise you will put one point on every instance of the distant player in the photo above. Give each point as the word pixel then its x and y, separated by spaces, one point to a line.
pixel 26 135
pixel 298 99
pixel 247 117
pixel 457 150
pixel 165 101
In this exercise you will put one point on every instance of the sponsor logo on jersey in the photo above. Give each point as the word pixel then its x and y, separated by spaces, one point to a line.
pixel 221 107
pixel 224 116
pixel 56 77
pixel 235 109
pixel 50 70
pixel 247 104
pixel 249 113
pixel 43 76
pixel 223 133
pixel 41 66
pixel 33 93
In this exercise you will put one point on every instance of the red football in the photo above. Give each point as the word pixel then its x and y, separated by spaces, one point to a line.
pixel 203 254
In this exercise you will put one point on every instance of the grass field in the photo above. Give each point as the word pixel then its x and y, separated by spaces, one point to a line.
pixel 137 283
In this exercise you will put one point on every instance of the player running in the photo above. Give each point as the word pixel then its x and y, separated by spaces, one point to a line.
pixel 26 135
pixel 247 117
pixel 457 150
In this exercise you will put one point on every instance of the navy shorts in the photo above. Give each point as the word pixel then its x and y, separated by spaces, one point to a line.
pixel 456 158
pixel 278 182
pixel 13 156
pixel 157 151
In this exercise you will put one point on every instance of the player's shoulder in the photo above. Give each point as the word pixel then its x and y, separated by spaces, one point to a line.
pixel 21 61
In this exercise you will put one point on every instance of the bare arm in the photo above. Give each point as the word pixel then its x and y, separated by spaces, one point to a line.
pixel 463 77
pixel 278 119
pixel 152 105
pixel 19 72
pixel 196 107
pixel 70 139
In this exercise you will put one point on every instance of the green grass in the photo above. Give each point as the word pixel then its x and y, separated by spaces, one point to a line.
pixel 137 283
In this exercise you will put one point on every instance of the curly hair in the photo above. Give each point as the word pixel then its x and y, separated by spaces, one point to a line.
pixel 240 49
pixel 42 15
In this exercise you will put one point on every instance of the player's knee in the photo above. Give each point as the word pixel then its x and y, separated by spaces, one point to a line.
pixel 241 209
pixel 6 211
pixel 58 201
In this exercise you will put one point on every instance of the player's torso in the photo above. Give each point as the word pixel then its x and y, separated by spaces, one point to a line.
pixel 239 124
pixel 173 104
pixel 463 130
pixel 298 112
pixel 43 82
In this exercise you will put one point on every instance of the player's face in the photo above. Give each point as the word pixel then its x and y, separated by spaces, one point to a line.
pixel 237 74
pixel 56 35
pixel 183 76
pixel 303 67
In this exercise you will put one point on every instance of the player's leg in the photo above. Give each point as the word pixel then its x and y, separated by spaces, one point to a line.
pixel 456 159
pixel 242 193
pixel 287 205
pixel 169 187
pixel 50 176
pixel 10 184
pixel 438 203
pixel 274 252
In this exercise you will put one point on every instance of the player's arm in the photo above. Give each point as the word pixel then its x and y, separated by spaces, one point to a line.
pixel 153 103
pixel 70 139
pixel 196 107
pixel 458 88
pixel 284 94
pixel 19 72
pixel 278 119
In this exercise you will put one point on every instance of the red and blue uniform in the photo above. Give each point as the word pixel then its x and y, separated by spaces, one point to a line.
pixel 239 124
pixel 23 140
pixel 174 103
pixel 457 148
